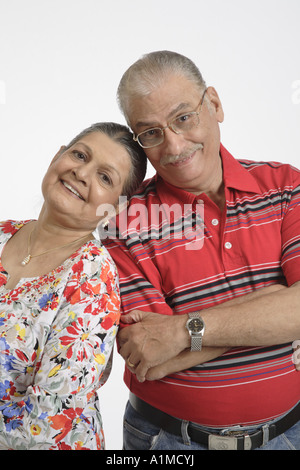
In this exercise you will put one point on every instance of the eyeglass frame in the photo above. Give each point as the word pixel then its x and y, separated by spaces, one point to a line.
pixel 169 126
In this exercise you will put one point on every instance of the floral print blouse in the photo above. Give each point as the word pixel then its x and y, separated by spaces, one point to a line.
pixel 56 339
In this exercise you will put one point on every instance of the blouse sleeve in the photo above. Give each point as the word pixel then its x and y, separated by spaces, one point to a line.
pixel 60 409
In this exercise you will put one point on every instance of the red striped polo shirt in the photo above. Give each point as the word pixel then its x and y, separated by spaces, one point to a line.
pixel 186 255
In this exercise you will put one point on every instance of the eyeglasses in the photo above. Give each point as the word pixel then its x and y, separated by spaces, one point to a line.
pixel 181 124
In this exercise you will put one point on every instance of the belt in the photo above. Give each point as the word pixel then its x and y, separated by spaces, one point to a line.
pixel 232 440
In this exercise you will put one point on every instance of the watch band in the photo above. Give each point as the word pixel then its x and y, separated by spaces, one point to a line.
pixel 196 342
pixel 194 315
pixel 196 338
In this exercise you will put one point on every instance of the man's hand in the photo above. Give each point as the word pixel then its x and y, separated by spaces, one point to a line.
pixel 151 339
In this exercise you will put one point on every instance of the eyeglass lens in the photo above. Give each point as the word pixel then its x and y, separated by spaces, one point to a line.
pixel 179 125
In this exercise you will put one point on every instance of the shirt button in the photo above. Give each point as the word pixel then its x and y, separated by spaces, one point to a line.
pixel 215 222
pixel 228 245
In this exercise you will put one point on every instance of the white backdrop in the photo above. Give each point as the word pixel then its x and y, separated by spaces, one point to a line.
pixel 61 61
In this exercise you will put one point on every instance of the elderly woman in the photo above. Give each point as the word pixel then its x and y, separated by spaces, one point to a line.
pixel 59 297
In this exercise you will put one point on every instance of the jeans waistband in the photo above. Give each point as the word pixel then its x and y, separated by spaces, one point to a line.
pixel 234 438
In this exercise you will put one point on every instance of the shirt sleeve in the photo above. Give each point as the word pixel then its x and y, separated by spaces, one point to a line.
pixel 140 280
pixel 60 409
pixel 290 260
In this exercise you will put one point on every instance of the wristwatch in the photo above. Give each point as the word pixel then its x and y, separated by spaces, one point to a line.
pixel 195 326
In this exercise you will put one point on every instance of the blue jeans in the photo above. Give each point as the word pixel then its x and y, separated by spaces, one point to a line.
pixel 139 434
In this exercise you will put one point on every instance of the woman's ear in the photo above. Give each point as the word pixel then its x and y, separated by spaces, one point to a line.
pixel 108 212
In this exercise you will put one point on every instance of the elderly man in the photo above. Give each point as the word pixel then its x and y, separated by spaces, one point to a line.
pixel 214 311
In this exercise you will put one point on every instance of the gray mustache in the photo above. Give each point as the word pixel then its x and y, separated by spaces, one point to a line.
pixel 166 159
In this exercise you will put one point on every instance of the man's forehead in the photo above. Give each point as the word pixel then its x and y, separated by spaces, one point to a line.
pixel 175 95
pixel 148 120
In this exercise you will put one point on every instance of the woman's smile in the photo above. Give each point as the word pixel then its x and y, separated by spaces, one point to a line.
pixel 72 190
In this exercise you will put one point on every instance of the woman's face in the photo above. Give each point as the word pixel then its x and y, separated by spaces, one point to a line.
pixel 90 173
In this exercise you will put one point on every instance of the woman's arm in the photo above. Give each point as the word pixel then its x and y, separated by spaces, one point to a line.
pixel 60 409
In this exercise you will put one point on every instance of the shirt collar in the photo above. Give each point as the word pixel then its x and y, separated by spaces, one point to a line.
pixel 234 176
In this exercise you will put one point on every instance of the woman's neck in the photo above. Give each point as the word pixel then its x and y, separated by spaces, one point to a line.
pixel 48 233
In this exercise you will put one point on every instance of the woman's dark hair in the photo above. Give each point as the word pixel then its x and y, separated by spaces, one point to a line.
pixel 122 135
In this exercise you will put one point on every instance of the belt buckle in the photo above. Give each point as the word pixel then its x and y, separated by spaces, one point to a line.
pixel 228 442
pixel 216 442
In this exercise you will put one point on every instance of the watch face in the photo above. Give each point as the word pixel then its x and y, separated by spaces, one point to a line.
pixel 196 325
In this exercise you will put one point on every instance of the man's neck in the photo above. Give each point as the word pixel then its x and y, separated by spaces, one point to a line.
pixel 217 195
pixel 214 187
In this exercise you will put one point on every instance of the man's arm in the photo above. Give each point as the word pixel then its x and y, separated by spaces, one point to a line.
pixel 263 321
pixel 265 317
pixel 184 360
pixel 187 359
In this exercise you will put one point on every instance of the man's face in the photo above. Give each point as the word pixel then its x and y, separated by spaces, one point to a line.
pixel 199 163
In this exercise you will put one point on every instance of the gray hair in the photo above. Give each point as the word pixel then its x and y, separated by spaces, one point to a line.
pixel 151 70
pixel 123 136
